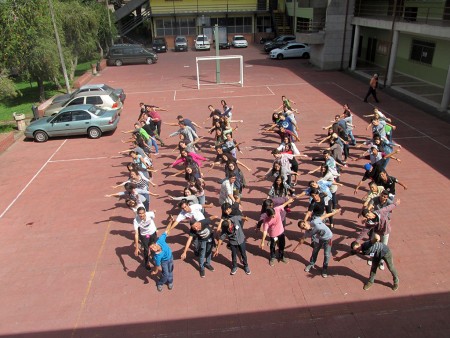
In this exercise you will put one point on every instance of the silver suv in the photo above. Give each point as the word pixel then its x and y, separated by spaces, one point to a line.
pixel 180 44
pixel 106 100
pixel 90 88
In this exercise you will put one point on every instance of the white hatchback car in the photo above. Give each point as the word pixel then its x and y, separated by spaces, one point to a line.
pixel 239 41
pixel 202 43
pixel 291 50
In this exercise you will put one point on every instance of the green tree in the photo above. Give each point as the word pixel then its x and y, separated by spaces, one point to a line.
pixel 80 26
pixel 7 88
pixel 27 43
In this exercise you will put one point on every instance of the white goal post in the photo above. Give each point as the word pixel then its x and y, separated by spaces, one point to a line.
pixel 217 59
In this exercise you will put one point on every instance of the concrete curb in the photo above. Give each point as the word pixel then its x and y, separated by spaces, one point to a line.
pixel 6 141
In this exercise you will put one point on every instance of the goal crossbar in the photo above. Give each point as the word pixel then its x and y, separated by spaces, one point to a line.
pixel 224 57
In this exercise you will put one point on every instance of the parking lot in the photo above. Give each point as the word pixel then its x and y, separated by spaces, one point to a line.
pixel 68 264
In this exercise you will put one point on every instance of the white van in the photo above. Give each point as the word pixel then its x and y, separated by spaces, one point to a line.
pixel 202 43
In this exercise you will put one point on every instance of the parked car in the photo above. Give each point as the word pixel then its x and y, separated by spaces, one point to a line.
pixel 74 120
pixel 180 44
pixel 202 42
pixel 223 41
pixel 239 41
pixel 159 45
pixel 121 54
pixel 89 88
pixel 105 100
pixel 278 42
pixel 291 50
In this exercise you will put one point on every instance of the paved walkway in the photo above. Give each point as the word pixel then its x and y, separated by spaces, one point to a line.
pixel 409 88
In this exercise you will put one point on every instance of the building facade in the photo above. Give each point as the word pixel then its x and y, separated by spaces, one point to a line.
pixel 169 18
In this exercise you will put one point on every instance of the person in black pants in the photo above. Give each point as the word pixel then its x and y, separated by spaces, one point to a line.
pixel 373 85
pixel 378 251
pixel 145 231
pixel 232 229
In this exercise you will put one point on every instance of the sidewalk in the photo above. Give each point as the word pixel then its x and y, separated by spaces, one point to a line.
pixel 426 95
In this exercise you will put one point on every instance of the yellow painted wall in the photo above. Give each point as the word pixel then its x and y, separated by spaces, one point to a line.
pixel 192 6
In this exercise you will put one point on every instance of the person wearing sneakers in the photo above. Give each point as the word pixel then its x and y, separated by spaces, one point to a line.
pixel 145 232
pixel 379 252
pixel 321 238
pixel 163 259
pixel 202 231
pixel 273 225
pixel 379 222
pixel 232 229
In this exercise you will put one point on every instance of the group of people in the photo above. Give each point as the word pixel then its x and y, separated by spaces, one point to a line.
pixel 207 233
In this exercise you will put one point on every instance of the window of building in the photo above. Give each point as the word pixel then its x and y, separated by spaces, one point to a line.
pixel 185 26
pixel 422 51
pixel 263 24
pixel 235 24
pixel 182 26
pixel 164 27
pixel 303 24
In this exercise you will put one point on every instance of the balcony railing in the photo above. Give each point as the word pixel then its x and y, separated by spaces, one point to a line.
pixel 309 26
pixel 217 7
pixel 431 15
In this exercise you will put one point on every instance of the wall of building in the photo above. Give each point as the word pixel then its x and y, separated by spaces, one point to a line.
pixel 383 37
pixel 436 72
pixel 329 55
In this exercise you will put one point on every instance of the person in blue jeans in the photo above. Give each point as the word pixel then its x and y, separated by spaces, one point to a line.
pixel 321 237
pixel 204 233
pixel 163 259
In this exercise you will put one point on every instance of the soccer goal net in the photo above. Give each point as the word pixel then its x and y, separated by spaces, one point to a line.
pixel 219 70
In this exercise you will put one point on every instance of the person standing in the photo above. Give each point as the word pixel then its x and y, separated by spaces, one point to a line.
pixel 273 226
pixel 145 231
pixel 227 190
pixel 321 237
pixel 379 222
pixel 373 85
pixel 189 134
pixel 204 233
pixel 154 116
pixel 378 251
pixel 232 229
pixel 163 259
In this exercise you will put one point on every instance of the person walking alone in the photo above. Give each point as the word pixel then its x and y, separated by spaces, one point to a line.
pixel 373 85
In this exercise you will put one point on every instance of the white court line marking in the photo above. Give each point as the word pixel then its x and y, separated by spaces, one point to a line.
pixel 220 97
pixel 79 159
pixel 175 95
pixel 258 86
pixel 270 90
pixel 406 137
pixel 405 123
pixel 32 179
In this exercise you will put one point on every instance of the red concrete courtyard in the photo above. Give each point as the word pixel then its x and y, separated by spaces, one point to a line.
pixel 68 266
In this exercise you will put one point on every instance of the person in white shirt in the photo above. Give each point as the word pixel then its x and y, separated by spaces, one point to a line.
pixel 145 231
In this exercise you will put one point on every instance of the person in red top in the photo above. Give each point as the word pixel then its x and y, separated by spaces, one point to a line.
pixel 273 225
pixel 155 117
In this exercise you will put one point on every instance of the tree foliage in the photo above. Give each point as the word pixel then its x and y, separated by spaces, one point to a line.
pixel 27 42
pixel 7 88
